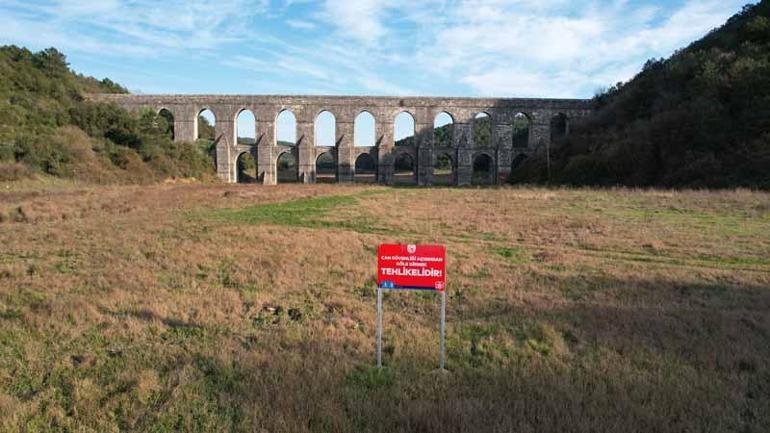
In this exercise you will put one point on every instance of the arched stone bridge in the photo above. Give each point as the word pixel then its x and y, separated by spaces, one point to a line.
pixel 501 152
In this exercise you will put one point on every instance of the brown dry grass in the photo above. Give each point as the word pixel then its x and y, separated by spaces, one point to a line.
pixel 189 307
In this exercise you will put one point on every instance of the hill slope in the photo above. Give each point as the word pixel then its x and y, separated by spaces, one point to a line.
pixel 47 127
pixel 700 118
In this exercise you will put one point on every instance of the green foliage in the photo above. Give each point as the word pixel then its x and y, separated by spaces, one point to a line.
pixel 443 163
pixel 482 131
pixel 205 129
pixel 247 168
pixel 698 119
pixel 442 136
pixel 305 212
pixel 520 130
pixel 47 126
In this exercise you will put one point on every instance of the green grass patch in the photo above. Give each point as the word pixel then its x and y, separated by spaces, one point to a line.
pixel 313 212
pixel 303 212
pixel 515 255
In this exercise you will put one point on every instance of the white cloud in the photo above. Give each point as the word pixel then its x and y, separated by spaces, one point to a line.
pixel 558 48
pixel 136 26
pixel 513 48
pixel 301 24
pixel 360 19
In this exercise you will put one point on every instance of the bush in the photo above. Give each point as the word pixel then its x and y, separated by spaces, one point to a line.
pixel 48 127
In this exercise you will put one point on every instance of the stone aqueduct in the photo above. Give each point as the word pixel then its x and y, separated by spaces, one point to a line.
pixel 500 149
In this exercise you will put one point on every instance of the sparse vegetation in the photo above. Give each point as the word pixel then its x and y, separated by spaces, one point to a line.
pixel 47 128
pixel 235 308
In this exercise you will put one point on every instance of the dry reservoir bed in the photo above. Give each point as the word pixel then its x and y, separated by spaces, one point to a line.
pixel 243 308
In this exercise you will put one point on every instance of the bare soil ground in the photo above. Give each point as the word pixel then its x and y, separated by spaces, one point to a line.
pixel 245 308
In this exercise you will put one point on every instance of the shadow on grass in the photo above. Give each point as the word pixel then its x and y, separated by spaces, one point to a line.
pixel 689 363
pixel 315 387
pixel 149 316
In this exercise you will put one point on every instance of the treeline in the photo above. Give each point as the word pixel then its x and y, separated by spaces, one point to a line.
pixel 698 119
pixel 46 127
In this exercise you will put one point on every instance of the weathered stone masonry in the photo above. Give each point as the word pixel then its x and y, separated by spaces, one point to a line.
pixel 186 108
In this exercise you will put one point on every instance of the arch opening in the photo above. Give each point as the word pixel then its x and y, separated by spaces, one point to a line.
pixel 365 169
pixel 482 170
pixel 286 129
pixel 363 130
pixel 326 168
pixel 204 125
pixel 403 129
pixel 482 130
pixel 444 170
pixel 246 168
pixel 246 127
pixel 521 129
pixel 443 130
pixel 286 168
pixel 515 164
pixel 166 122
pixel 325 128
pixel 404 170
pixel 559 126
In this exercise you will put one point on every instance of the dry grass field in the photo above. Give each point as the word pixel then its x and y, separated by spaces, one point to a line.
pixel 251 309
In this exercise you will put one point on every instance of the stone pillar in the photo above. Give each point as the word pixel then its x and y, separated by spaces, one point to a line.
pixel 541 129
pixel 385 150
pixel 504 134
pixel 224 131
pixel 305 152
pixel 424 152
pixel 185 124
pixel 345 168
pixel 463 141
pixel 266 147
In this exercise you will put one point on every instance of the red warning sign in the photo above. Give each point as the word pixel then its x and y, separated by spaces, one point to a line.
pixel 420 267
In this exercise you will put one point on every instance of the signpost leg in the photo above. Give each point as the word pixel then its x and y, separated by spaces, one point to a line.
pixel 379 327
pixel 443 325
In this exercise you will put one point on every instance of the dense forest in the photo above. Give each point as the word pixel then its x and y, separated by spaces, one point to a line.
pixel 46 127
pixel 698 119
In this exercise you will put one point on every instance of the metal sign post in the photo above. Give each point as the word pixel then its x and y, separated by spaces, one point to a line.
pixel 379 327
pixel 442 331
pixel 411 267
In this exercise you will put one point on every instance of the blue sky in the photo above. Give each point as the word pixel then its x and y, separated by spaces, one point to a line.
pixel 505 48
pixel 546 48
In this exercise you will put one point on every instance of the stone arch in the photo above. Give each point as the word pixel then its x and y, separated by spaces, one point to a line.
pixel 482 130
pixel 518 160
pixel 363 130
pixel 404 169
pixel 325 129
pixel 483 169
pixel 444 169
pixel 443 130
pixel 168 117
pixel 365 169
pixel 326 168
pixel 245 167
pixel 559 126
pixel 404 129
pixel 286 128
pixel 205 122
pixel 286 168
pixel 521 130
pixel 245 127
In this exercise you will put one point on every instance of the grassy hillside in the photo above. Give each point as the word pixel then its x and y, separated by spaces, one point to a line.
pixel 230 308
pixel 47 128
pixel 700 118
